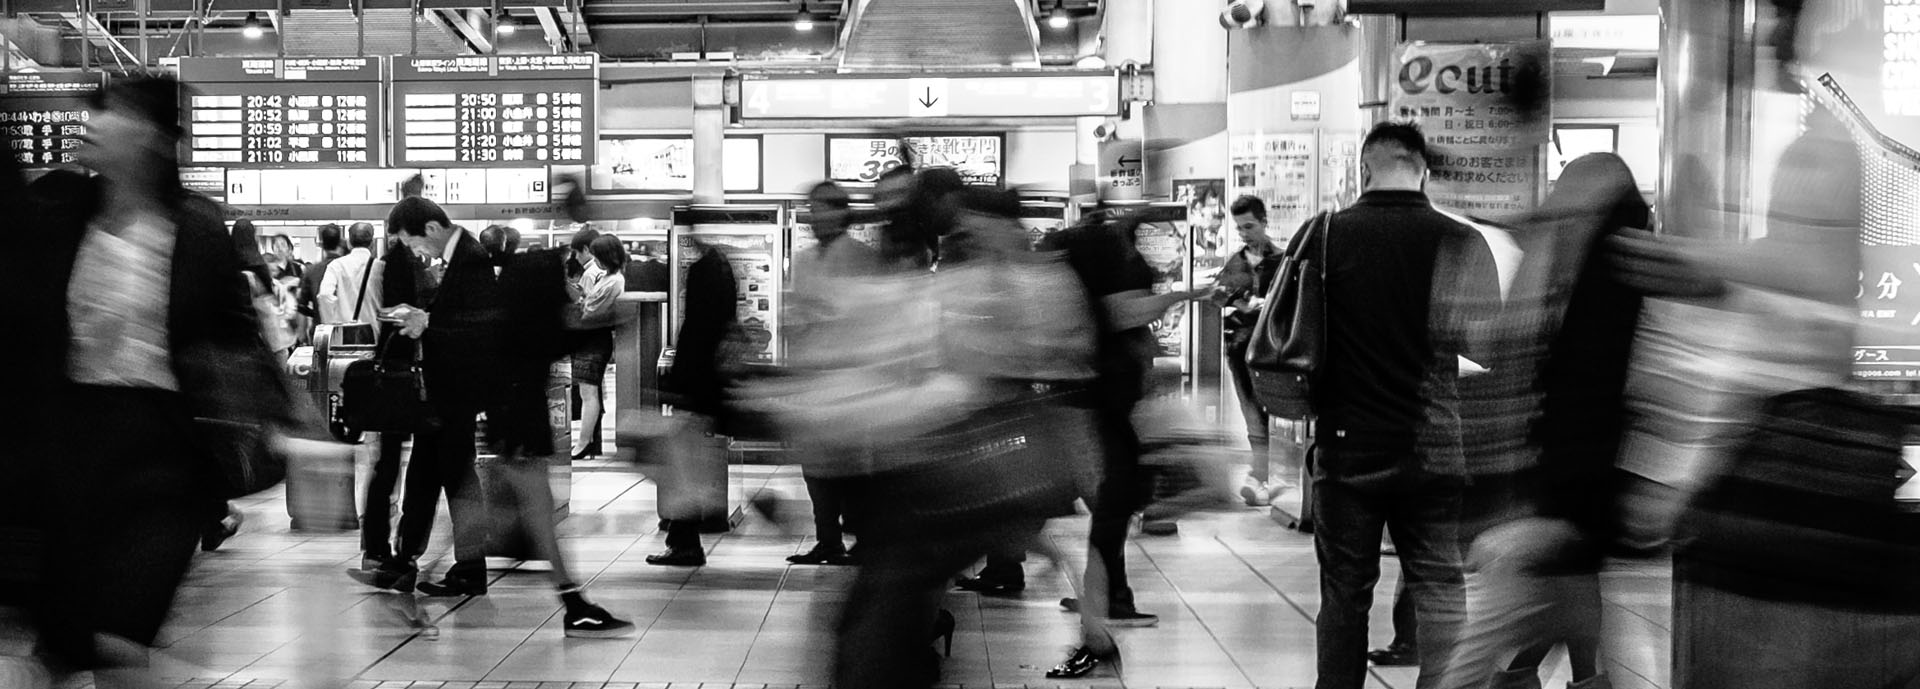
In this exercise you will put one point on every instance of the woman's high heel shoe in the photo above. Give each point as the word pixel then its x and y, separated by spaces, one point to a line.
pixel 591 450
pixel 1083 662
pixel 943 631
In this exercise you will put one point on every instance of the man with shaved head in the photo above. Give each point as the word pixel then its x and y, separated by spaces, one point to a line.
pixel 1404 282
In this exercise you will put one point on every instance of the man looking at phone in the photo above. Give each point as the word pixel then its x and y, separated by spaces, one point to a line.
pixel 1242 292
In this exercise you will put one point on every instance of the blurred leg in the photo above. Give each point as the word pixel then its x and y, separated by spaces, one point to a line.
pixel 376 522
pixel 1425 527
pixel 528 477
pixel 1250 412
pixel 889 617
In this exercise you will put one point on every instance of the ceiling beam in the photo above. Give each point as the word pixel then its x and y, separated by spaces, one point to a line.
pixel 90 27
pixel 453 21
pixel 550 23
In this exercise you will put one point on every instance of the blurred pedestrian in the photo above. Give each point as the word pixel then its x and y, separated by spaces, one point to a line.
pixel 137 314
pixel 812 300
pixel 1403 285
pixel 696 386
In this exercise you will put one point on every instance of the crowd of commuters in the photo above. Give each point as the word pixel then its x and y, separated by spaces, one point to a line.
pixel 948 390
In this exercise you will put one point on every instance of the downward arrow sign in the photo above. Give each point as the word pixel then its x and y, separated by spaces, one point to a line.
pixel 928 100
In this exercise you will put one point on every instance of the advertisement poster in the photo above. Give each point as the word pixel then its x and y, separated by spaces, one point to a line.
pixel 865 233
pixel 1485 110
pixel 1162 241
pixel 1278 168
pixel 1207 220
pixel 753 257
pixel 863 159
pixel 1041 220
pixel 1339 169
pixel 665 164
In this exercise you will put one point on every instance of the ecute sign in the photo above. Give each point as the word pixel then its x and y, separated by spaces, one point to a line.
pixel 1485 109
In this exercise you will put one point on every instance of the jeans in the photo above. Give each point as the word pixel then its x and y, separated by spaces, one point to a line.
pixel 376 521
pixel 443 460
pixel 1250 411
pixel 1358 491
pixel 1119 495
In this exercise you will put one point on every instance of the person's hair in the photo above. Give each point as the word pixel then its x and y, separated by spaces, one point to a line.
pixel 902 170
pixel 1208 191
pixel 413 187
pixel 411 215
pixel 360 235
pixel 829 193
pixel 282 245
pixel 609 252
pixel 494 240
pixel 329 237
pixel 1250 205
pixel 583 240
pixel 1599 185
pixel 1398 143
pixel 511 238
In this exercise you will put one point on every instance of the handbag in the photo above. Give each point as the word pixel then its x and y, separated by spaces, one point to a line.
pixel 1805 510
pixel 1290 338
pixel 240 405
pixel 378 396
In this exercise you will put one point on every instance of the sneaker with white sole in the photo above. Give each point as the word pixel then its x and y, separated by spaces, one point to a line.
pixel 1256 493
pixel 594 622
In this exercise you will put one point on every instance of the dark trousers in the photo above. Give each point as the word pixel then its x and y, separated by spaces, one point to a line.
pixel 1406 632
pixel 126 502
pixel 890 611
pixel 1119 495
pixel 1251 412
pixel 376 521
pixel 683 534
pixel 1357 493
pixel 829 497
pixel 443 462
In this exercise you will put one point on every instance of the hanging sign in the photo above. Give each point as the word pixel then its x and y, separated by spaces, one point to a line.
pixel 1484 108
pixel 478 111
pixel 896 96
pixel 283 113
pixel 863 159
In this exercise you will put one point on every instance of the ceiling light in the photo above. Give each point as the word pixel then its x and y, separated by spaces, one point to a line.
pixel 1057 18
pixel 252 28
pixel 505 25
pixel 803 21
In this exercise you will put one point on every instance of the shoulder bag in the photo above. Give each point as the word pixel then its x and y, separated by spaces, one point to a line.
pixel 377 395
pixel 1290 338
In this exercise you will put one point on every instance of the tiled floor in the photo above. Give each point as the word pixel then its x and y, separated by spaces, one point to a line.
pixel 1236 591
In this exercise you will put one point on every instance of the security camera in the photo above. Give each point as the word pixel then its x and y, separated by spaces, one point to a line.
pixel 1241 14
pixel 1106 130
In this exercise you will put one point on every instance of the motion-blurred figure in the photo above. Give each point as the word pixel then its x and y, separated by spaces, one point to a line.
pixel 1566 335
pixel 811 301
pixel 132 310
pixel 1403 284
pixel 696 387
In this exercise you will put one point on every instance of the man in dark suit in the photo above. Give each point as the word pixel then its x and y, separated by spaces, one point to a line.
pixel 330 248
pixel 458 323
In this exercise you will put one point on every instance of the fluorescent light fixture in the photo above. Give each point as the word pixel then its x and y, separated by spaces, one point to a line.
pixel 505 24
pixel 252 28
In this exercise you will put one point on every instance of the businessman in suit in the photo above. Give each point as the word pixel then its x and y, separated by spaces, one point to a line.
pixel 459 325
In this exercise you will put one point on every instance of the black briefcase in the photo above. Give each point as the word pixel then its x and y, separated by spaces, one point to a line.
pixel 383 397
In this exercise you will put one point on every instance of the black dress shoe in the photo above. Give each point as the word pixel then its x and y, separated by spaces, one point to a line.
pixel 991 585
pixel 1083 661
pixel 390 577
pixel 455 586
pixel 822 554
pixel 679 557
pixel 1395 655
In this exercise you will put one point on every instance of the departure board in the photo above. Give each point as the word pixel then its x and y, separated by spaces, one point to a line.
pixel 284 113
pixel 44 114
pixel 490 110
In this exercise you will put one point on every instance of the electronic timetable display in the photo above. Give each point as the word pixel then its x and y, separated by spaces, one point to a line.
pixel 284 113
pixel 478 111
pixel 44 114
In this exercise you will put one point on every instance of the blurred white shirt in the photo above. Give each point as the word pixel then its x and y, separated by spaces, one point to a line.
pixel 341 290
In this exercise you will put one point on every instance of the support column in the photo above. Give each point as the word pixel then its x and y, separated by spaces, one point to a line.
pixel 1706 105
pixel 709 138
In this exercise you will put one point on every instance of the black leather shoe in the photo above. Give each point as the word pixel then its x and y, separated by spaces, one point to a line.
pixel 455 586
pixel 390 577
pixel 1084 661
pixel 1395 655
pixel 679 557
pixel 822 554
pixel 991 585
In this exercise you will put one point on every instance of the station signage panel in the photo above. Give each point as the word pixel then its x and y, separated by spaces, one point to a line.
pixel 479 111
pixel 903 96
pixel 979 158
pixel 44 114
pixel 316 112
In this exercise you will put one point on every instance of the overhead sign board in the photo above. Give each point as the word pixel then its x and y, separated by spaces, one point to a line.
pixel 476 111
pixel 826 97
pixel 310 112
pixel 43 115
pixel 979 158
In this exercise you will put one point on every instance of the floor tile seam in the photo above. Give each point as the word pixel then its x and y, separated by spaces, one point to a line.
pixel 1181 596
pixel 641 634
pixel 643 479
pixel 1668 628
